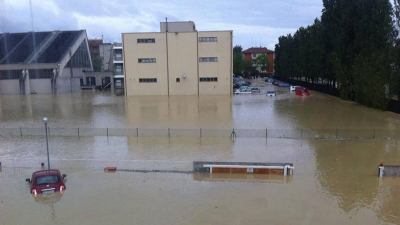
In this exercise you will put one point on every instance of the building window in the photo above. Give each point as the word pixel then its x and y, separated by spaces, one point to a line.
pixel 147 80
pixel 208 39
pixel 118 69
pixel 208 79
pixel 146 60
pixel 146 40
pixel 178 80
pixel 208 59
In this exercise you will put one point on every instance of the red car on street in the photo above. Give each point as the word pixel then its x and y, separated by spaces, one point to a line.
pixel 46 181
pixel 302 91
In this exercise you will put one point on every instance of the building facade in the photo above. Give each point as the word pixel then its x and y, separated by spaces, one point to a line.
pixel 251 54
pixel 43 62
pixel 178 61
pixel 118 65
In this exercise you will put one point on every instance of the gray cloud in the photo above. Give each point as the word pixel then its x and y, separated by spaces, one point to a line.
pixel 254 22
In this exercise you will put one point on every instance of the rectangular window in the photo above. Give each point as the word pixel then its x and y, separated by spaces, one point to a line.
pixel 146 60
pixel 147 80
pixel 208 59
pixel 208 79
pixel 178 80
pixel 208 39
pixel 146 40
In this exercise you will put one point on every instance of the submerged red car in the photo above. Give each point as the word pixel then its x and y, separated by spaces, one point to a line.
pixel 47 181
pixel 302 91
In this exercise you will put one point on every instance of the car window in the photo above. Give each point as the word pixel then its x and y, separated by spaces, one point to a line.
pixel 47 180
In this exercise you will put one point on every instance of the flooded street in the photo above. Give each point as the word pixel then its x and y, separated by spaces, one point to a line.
pixel 334 181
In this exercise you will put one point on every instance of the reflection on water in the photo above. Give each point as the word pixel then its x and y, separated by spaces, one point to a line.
pixel 334 182
pixel 276 179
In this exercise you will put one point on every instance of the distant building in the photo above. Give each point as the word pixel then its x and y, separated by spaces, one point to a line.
pixel 43 62
pixel 251 54
pixel 118 64
pixel 178 60
pixel 100 76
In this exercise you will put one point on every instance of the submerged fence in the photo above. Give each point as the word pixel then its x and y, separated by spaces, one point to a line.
pixel 328 134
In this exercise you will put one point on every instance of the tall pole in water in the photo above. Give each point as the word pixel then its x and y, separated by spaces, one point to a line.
pixel 47 143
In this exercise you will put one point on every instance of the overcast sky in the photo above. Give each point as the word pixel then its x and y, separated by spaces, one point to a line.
pixel 254 22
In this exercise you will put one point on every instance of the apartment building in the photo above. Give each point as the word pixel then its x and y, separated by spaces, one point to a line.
pixel 251 54
pixel 178 60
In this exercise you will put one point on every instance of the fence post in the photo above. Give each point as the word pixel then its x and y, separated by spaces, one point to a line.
pixel 200 133
pixel 266 133
pixel 78 132
pixel 301 134
pixel 137 132
pixel 336 133
pixel 169 132
pixel 20 131
pixel 107 131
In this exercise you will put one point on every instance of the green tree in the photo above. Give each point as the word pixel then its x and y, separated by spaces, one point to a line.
pixel 261 62
pixel 97 63
pixel 351 48
pixel 248 68
pixel 238 62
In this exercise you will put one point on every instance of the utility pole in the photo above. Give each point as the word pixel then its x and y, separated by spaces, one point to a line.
pixel 47 142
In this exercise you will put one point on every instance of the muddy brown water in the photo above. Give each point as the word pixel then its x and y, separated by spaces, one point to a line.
pixel 335 182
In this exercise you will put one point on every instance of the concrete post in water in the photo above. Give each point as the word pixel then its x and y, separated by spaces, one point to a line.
pixel 381 170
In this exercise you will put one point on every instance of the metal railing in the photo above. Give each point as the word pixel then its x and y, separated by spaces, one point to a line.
pixel 322 134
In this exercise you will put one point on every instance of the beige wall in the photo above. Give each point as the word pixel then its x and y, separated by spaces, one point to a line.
pixel 182 58
pixel 183 63
pixel 135 70
pixel 221 69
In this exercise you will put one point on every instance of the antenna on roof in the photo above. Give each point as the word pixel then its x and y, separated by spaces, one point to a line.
pixel 31 14
pixel 166 24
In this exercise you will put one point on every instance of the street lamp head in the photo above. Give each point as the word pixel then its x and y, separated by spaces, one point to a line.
pixel 45 119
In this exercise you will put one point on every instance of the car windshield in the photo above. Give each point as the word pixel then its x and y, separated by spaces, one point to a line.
pixel 47 180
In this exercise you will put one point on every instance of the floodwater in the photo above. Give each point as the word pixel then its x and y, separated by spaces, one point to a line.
pixel 335 182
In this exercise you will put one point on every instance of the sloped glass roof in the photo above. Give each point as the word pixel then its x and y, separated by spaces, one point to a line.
pixel 17 48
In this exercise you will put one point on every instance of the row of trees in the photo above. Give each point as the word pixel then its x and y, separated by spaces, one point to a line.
pixel 246 67
pixel 352 48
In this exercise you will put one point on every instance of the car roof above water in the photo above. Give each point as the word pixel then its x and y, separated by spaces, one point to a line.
pixel 46 173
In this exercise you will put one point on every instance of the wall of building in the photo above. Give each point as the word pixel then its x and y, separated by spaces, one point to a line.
pixel 179 26
pixel 221 69
pixel 134 70
pixel 184 51
pixel 182 58
pixel 9 87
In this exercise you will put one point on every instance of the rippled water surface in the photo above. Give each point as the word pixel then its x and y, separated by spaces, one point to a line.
pixel 335 182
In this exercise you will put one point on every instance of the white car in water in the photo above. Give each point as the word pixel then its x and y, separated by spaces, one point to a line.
pixel 271 93
pixel 293 88
pixel 243 90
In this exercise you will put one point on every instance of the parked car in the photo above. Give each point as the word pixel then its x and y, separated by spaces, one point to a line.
pixel 293 88
pixel 243 90
pixel 46 181
pixel 302 91
pixel 255 90
pixel 271 93
pixel 269 80
pixel 283 84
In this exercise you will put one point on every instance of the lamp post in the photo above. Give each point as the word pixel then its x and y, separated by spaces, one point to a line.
pixel 47 142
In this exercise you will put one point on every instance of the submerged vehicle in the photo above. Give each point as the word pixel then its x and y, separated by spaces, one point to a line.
pixel 302 91
pixel 271 93
pixel 46 181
